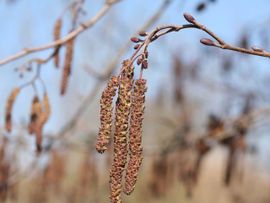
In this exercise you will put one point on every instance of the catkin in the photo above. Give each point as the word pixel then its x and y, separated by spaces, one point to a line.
pixel 106 115
pixel 35 114
pixel 9 106
pixel 67 66
pixel 40 112
pixel 42 119
pixel 135 135
pixel 56 36
pixel 46 110
pixel 123 104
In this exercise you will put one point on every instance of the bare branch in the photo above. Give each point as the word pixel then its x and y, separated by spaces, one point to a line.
pixel 84 26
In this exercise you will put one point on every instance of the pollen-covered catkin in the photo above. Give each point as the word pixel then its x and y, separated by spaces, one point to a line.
pixel 9 106
pixel 123 104
pixel 135 135
pixel 56 36
pixel 67 66
pixel 36 111
pixel 106 115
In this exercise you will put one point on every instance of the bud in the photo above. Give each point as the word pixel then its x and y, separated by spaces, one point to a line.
pixel 139 61
pixel 200 7
pixel 143 33
pixel 189 18
pixel 207 42
pixel 136 46
pixel 135 39
pixel 144 64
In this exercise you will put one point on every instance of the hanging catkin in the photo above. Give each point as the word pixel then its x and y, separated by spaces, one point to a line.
pixel 123 104
pixel 9 106
pixel 46 110
pixel 56 36
pixel 135 135
pixel 106 115
pixel 42 119
pixel 67 66
pixel 36 111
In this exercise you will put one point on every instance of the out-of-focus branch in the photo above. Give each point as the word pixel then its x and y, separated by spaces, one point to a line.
pixel 84 26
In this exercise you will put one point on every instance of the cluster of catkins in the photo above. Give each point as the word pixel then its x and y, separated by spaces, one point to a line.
pixel 127 139
pixel 40 113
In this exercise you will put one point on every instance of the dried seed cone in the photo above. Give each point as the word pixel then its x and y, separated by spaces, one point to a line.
pixel 56 36
pixel 36 111
pixel 135 135
pixel 123 104
pixel 67 66
pixel 106 115
pixel 9 106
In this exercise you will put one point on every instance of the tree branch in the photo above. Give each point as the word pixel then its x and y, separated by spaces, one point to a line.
pixel 84 26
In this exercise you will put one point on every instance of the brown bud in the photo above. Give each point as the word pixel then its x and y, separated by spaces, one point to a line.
pixel 135 39
pixel 9 106
pixel 143 33
pixel 145 64
pixel 207 42
pixel 139 61
pixel 136 46
pixel 189 18
pixel 200 7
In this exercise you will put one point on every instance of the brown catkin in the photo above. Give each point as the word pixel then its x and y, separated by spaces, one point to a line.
pixel 42 119
pixel 46 110
pixel 67 66
pixel 56 36
pixel 123 104
pixel 106 115
pixel 36 111
pixel 9 106
pixel 135 135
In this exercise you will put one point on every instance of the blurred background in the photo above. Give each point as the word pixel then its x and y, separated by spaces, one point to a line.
pixel 206 126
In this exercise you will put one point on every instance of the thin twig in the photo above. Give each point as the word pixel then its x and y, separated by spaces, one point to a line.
pixel 84 26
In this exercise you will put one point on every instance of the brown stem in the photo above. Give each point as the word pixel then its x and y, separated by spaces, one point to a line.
pixel 84 26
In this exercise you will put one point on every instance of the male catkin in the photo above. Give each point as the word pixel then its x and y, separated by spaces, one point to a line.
pixel 135 135
pixel 67 66
pixel 9 106
pixel 123 104
pixel 46 110
pixel 106 115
